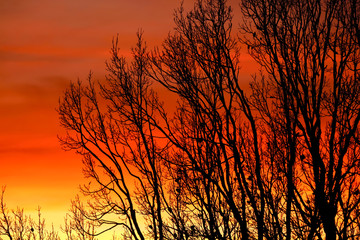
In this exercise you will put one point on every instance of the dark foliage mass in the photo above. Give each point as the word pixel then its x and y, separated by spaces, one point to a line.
pixel 277 159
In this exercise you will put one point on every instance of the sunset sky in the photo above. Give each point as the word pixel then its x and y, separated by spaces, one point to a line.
pixel 45 44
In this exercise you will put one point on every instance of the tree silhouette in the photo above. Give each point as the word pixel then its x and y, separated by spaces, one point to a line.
pixel 118 145
pixel 76 226
pixel 14 224
pixel 280 161
pixel 310 53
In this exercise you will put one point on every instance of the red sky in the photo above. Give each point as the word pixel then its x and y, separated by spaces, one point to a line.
pixel 44 44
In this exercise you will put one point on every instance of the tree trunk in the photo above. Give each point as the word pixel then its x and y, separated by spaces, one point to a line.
pixel 328 219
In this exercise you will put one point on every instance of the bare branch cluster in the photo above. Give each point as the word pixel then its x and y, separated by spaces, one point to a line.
pixel 280 161
pixel 15 225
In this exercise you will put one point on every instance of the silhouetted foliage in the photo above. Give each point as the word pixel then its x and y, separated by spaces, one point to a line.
pixel 280 161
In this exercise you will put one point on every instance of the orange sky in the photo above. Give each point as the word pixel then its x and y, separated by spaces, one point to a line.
pixel 44 44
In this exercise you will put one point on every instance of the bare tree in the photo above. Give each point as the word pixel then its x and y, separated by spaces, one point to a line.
pixel 186 170
pixel 14 224
pixel 281 162
pixel 76 226
pixel 310 53
pixel 112 131
pixel 214 127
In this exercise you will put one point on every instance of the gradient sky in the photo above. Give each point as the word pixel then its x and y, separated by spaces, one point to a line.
pixel 44 44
